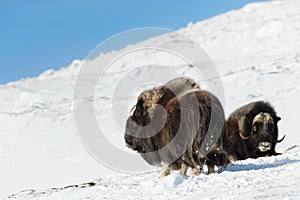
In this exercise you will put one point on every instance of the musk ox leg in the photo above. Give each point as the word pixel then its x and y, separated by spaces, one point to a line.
pixel 183 169
pixel 210 167
pixel 196 172
pixel 166 171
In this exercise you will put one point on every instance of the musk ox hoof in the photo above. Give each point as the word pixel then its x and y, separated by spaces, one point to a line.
pixel 183 169
pixel 196 172
pixel 166 171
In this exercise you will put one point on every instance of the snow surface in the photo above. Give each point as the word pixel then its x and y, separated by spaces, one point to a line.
pixel 257 52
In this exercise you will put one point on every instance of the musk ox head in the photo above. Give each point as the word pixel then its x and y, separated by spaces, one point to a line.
pixel 142 112
pixel 138 128
pixel 259 131
pixel 131 141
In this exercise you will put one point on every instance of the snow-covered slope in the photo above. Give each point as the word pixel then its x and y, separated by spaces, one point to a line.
pixel 263 178
pixel 257 52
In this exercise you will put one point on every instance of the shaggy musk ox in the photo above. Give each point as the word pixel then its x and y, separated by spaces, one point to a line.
pixel 182 134
pixel 252 131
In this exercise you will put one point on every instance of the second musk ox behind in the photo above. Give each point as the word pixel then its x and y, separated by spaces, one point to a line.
pixel 252 131
pixel 188 132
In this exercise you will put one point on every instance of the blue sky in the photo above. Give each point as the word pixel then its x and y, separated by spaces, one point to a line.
pixel 38 35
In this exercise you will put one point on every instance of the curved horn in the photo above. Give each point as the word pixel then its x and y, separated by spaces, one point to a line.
pixel 132 111
pixel 278 141
pixel 243 137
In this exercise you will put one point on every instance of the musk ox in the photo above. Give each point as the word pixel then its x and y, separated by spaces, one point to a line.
pixel 141 113
pixel 252 131
pixel 188 132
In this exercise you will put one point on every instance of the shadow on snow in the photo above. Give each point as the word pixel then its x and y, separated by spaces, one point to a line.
pixel 251 166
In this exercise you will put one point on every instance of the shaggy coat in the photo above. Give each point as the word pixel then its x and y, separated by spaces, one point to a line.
pixel 185 134
pixel 140 116
pixel 140 113
pixel 202 132
pixel 252 131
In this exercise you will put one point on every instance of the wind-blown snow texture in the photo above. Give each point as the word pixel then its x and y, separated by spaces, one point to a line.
pixel 256 50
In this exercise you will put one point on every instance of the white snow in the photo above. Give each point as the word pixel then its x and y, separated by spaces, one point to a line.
pixel 257 52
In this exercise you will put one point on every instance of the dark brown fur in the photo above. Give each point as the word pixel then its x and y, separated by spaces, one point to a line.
pixel 189 137
pixel 241 122
pixel 143 111
pixel 203 139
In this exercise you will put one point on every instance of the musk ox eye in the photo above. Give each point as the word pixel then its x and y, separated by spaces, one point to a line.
pixel 254 128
